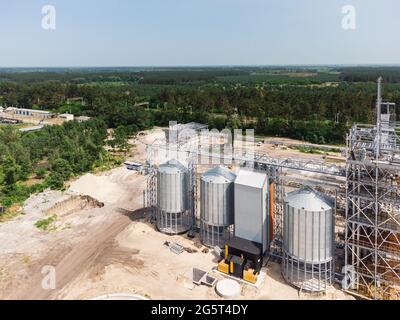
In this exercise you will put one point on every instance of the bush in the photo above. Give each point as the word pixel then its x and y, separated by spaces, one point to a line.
pixel 45 224
pixel 62 168
pixel 55 181
pixel 40 172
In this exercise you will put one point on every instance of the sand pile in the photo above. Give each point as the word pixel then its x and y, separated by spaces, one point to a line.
pixel 72 205
pixel 99 187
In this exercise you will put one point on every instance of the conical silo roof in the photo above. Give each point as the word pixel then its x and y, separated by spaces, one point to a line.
pixel 309 200
pixel 219 174
pixel 173 166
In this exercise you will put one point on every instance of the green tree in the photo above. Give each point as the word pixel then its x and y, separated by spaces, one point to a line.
pixel 63 168
pixel 120 138
pixel 55 181
pixel 10 171
pixel 40 172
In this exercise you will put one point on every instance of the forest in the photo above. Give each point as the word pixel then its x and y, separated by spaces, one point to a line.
pixel 316 104
pixel 47 157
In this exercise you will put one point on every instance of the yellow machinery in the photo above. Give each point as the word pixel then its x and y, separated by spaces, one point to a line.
pixel 242 259
pixel 223 267
pixel 250 275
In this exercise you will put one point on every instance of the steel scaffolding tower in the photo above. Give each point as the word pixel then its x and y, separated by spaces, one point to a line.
pixel 151 186
pixel 372 235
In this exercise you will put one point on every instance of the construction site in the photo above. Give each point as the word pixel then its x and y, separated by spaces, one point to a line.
pixel 200 214
pixel 324 222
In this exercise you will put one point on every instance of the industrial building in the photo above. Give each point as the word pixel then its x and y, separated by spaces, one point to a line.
pixel 29 113
pixel 66 116
pixel 265 208
pixel 32 128
pixel 82 118
pixel 252 221
pixel 180 133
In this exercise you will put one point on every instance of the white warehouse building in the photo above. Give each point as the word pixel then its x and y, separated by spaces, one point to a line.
pixel 29 112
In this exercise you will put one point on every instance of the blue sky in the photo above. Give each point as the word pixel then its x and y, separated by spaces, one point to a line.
pixel 198 32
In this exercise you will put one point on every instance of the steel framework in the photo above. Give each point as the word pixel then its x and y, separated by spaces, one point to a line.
pixel 371 179
pixel 279 170
pixel 308 276
pixel 313 277
pixel 179 222
pixel 212 236
pixel 372 235
pixel 157 153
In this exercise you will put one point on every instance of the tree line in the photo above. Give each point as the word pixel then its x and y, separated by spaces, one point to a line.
pixel 303 112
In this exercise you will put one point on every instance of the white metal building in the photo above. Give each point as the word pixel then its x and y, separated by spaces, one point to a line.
pixel 66 116
pixel 29 112
pixel 251 203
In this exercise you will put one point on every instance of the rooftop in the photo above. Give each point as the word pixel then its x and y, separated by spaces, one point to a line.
pixel 309 200
pixel 173 166
pixel 219 174
pixel 251 178
pixel 189 125
pixel 33 128
pixel 30 110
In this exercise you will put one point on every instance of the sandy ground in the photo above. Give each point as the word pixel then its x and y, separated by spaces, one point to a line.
pixel 79 233
pixel 77 236
pixel 101 243
pixel 139 152
pixel 281 147
pixel 138 263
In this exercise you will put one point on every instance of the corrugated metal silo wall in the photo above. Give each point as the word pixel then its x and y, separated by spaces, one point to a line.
pixel 308 235
pixel 172 191
pixel 217 203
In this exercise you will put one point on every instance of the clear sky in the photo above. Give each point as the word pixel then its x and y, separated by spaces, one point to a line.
pixel 198 32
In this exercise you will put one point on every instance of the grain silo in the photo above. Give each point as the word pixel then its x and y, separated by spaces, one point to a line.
pixel 308 240
pixel 216 206
pixel 173 208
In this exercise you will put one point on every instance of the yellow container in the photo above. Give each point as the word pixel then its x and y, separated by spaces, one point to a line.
pixel 250 276
pixel 223 267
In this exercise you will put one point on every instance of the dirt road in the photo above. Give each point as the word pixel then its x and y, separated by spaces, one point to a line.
pixel 80 235
pixel 78 260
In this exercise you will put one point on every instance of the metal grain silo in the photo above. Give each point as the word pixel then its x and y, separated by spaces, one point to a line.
pixel 308 240
pixel 173 198
pixel 216 205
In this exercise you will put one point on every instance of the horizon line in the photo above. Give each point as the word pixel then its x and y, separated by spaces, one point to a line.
pixel 209 66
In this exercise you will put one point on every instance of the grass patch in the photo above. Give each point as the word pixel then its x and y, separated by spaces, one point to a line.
pixel 10 213
pixel 307 149
pixel 109 161
pixel 46 224
pixel 26 259
pixel 314 150
pixel 67 226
